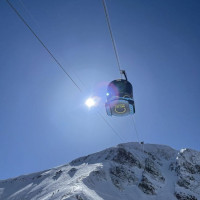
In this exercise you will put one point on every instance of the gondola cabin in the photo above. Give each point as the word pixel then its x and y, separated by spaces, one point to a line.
pixel 120 98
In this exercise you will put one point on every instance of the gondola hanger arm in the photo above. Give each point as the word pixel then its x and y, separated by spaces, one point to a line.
pixel 124 73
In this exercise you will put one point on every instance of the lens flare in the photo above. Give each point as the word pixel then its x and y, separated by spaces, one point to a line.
pixel 90 102
pixel 93 101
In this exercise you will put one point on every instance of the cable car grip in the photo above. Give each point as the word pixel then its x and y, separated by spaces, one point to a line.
pixel 124 73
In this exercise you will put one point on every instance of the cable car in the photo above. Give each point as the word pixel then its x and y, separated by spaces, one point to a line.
pixel 120 100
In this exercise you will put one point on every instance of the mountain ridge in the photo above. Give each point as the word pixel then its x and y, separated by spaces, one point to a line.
pixel 128 171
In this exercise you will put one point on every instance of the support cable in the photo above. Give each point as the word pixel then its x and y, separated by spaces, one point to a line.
pixel 136 132
pixel 42 43
pixel 106 121
pixel 137 135
pixel 111 35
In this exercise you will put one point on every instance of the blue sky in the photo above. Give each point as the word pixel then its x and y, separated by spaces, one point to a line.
pixel 43 119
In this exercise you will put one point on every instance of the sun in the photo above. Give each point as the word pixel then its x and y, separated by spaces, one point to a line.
pixel 90 102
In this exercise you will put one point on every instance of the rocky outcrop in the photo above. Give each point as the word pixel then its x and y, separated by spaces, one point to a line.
pixel 126 158
pixel 127 172
pixel 146 186
pixel 183 196
pixel 121 175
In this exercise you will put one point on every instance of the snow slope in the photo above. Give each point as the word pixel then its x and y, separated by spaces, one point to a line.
pixel 126 172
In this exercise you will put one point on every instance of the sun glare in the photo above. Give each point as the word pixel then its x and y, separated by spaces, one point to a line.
pixel 90 102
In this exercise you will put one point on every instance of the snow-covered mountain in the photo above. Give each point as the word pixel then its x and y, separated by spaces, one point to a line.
pixel 127 172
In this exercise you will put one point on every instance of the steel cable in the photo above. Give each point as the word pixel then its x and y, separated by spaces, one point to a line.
pixel 42 43
pixel 111 35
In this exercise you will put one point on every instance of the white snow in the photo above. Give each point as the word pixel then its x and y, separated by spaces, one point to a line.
pixel 113 174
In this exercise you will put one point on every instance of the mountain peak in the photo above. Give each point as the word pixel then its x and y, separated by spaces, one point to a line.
pixel 128 171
